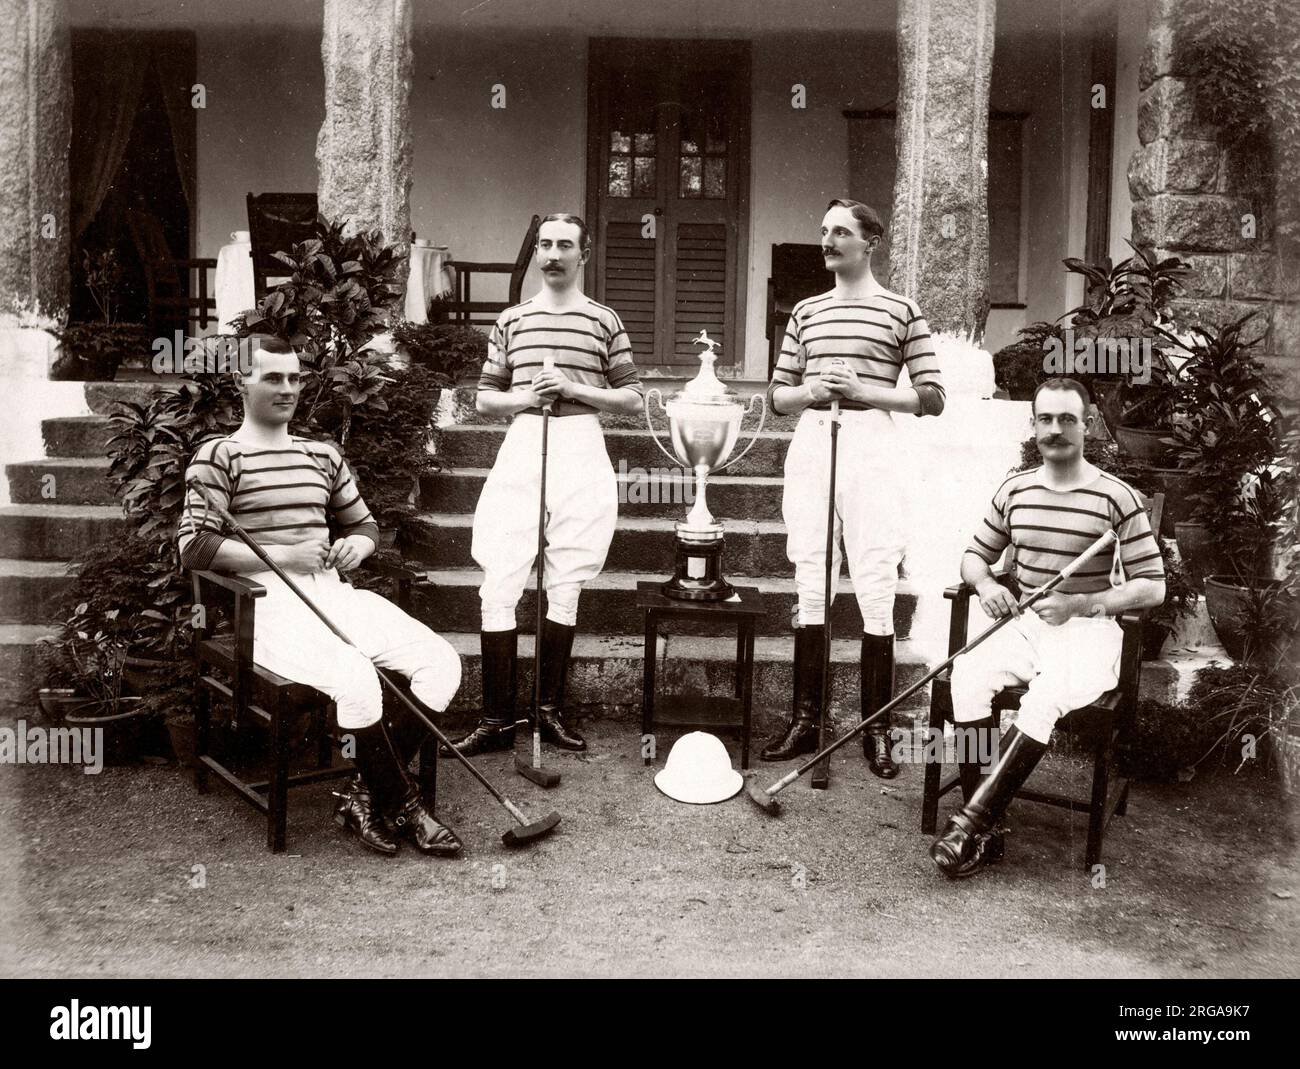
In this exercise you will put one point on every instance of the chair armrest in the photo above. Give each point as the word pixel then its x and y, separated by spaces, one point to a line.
pixel 958 590
pixel 1134 618
pixel 236 584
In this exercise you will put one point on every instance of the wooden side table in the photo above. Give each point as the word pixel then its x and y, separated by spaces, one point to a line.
pixel 700 711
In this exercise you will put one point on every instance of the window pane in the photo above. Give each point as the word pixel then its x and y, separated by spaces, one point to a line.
pixel 620 142
pixel 715 142
pixel 689 145
pixel 643 177
pixel 715 177
pixel 620 184
pixel 690 185
pixel 645 144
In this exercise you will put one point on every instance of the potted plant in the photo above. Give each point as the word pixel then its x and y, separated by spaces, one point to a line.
pixel 1128 302
pixel 93 350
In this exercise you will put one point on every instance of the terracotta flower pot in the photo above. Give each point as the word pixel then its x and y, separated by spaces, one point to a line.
pixel 1202 553
pixel 1142 444
pixel 1226 601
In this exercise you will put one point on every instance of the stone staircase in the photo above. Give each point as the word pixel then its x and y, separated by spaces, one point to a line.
pixel 52 521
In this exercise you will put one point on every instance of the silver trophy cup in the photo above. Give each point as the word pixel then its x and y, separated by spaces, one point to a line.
pixel 704 421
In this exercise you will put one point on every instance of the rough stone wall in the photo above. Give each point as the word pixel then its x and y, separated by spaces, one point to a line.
pixel 939 231
pixel 1190 199
pixel 364 150
pixel 35 129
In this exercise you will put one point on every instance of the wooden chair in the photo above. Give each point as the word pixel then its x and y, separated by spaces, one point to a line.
pixel 1109 719
pixel 462 308
pixel 167 280
pixel 798 271
pixel 276 223
pixel 223 650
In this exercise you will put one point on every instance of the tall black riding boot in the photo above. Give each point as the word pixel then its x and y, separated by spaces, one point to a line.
pixel 877 666
pixel 496 728
pixel 964 847
pixel 397 795
pixel 801 735
pixel 557 643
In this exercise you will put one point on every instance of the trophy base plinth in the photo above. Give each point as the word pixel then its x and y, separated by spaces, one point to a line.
pixel 698 572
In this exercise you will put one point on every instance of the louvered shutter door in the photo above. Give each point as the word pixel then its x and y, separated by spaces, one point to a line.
pixel 629 270
pixel 699 287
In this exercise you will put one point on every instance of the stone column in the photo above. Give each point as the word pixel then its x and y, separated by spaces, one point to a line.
pixel 35 130
pixel 939 248
pixel 363 152
pixel 1191 199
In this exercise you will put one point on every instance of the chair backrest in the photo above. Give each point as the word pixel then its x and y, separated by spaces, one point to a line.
pixel 277 222
pixel 798 271
pixel 524 259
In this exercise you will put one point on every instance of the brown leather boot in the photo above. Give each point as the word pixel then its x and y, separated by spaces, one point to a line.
pixel 877 669
pixel 496 730
pixel 356 813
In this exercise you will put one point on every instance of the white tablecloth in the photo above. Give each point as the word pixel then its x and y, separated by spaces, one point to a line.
pixel 430 276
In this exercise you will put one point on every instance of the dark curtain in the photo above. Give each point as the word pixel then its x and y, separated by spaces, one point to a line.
pixel 110 69
pixel 175 67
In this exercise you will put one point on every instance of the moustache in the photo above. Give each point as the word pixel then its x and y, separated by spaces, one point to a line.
pixel 1053 441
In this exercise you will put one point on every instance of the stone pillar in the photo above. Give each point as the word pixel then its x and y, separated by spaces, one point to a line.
pixel 939 248
pixel 363 152
pixel 1191 199
pixel 35 130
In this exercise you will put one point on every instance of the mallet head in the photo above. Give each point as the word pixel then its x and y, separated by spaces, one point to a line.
pixel 760 797
pixel 543 777
pixel 527 834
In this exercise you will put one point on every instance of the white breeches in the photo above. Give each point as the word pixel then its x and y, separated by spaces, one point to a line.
pixel 291 641
pixel 581 511
pixel 870 519
pixel 1064 668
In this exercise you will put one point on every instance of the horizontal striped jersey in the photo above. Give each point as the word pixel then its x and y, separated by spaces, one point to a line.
pixel 588 343
pixel 874 335
pixel 279 496
pixel 1049 528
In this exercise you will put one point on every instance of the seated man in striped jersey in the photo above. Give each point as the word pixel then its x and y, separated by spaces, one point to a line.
pixel 281 488
pixel 1066 649
pixel 560 350
pixel 851 345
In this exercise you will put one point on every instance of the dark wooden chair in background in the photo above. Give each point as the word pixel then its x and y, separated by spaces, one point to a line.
pixel 1107 720
pixel 276 223
pixel 290 712
pixel 798 271
pixel 462 308
pixel 167 278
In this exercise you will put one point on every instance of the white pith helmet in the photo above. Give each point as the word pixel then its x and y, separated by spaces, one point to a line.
pixel 698 770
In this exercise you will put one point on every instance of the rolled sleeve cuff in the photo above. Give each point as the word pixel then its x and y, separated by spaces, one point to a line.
pixel 200 551
pixel 931 398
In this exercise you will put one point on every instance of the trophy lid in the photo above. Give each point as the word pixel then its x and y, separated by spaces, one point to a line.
pixel 706 388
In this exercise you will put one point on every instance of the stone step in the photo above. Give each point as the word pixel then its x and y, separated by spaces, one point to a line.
pixel 475 446
pixel 609 671
pixel 29 588
pixel 463 410
pixel 608 604
pixel 77 436
pixel 60 480
pixel 19 663
pixel 57 532
pixel 102 396
pixel 640 493
pixel 443 539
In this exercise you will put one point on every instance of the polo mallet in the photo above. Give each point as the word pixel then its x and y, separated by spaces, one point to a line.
pixel 765 798
pixel 528 831
pixel 534 772
pixel 822 774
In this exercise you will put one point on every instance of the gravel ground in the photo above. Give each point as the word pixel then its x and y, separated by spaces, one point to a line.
pixel 96 876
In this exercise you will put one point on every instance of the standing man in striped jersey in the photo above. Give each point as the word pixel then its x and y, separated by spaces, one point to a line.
pixel 1067 647
pixel 562 349
pixel 852 344
pixel 281 488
